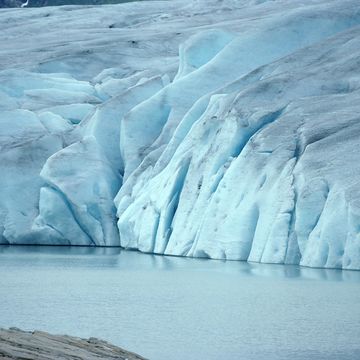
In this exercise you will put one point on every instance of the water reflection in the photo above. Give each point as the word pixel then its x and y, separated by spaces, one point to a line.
pixel 78 256
pixel 59 250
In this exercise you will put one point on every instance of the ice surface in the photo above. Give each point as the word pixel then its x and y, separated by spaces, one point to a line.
pixel 82 186
pixel 25 146
pixel 225 129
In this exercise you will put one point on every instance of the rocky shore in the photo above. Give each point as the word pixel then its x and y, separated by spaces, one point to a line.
pixel 39 345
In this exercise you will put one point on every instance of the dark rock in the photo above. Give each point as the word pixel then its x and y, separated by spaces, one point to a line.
pixel 39 345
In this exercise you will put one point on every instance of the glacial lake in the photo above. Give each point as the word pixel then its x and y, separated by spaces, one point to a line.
pixel 170 308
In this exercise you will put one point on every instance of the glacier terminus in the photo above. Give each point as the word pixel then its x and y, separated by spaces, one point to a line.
pixel 216 129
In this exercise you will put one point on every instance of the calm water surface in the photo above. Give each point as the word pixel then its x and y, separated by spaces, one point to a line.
pixel 168 308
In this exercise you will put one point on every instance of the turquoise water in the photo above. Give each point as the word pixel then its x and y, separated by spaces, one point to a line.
pixel 169 308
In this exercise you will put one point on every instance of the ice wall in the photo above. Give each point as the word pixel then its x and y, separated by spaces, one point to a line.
pixel 246 152
pixel 254 170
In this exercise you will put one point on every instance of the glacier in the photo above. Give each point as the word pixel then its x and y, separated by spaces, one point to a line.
pixel 216 129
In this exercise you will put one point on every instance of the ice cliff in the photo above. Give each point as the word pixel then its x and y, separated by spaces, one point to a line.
pixel 222 129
